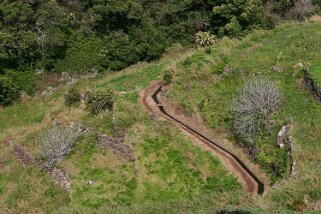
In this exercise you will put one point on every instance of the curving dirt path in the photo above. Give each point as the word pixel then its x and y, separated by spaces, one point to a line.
pixel 249 181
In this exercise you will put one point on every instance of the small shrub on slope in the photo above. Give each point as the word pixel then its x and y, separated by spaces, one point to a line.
pixel 167 78
pixel 8 91
pixel 100 100
pixel 57 142
pixel 72 98
pixel 253 107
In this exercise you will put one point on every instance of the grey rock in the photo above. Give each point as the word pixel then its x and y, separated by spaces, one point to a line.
pixel 91 182
pixel 67 78
pixel 40 71
pixel 228 70
pixel 277 68
pixel 285 131
pixel 298 65
pixel 118 146
pixel 317 206
pixel 60 177
pixel 48 92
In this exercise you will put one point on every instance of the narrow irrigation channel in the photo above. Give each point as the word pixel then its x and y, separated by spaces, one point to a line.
pixel 250 182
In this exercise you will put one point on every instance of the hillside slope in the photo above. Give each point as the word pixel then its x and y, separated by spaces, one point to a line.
pixel 169 173
pixel 205 85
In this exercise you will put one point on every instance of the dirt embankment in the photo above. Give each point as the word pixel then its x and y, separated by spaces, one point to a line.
pixel 250 181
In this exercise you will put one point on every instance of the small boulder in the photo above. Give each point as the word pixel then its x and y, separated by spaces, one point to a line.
pixel 228 70
pixel 48 92
pixel 298 65
pixel 91 182
pixel 283 133
pixel 277 68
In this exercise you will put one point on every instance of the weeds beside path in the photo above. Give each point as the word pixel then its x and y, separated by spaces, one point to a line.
pixel 249 181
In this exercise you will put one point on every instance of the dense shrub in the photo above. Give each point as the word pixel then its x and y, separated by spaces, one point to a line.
pixel 233 16
pixel 83 55
pixel 57 142
pixel 252 108
pixel 204 39
pixel 99 101
pixel 24 80
pixel 72 98
pixel 8 91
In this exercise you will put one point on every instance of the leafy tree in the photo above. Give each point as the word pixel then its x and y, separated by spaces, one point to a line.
pixel 233 16
pixel 16 37
pixel 51 29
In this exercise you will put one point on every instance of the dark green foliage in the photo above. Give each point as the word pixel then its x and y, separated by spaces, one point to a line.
pixel 99 101
pixel 72 98
pixel 167 78
pixel 120 51
pixel 233 16
pixel 82 36
pixel 8 91
pixel 25 81
pixel 83 55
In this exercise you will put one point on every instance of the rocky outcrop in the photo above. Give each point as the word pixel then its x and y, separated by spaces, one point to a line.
pixel 48 92
pixel 284 140
pixel 69 79
pixel 290 147
pixel 283 133
pixel 117 145
pixel 313 87
pixel 60 177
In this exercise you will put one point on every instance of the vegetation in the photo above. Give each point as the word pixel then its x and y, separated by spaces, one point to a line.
pixel 316 73
pixel 8 91
pixel 167 77
pixel 57 142
pixel 253 107
pixel 84 36
pixel 40 39
pixel 99 101
pixel 211 93
pixel 73 97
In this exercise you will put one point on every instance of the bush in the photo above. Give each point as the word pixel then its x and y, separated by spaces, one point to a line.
pixel 57 142
pixel 204 39
pixel 8 91
pixel 100 101
pixel 167 77
pixel 300 10
pixel 72 98
pixel 24 80
pixel 253 107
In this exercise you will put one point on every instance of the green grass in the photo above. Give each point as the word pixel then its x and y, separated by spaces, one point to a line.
pixel 170 174
pixel 316 73
pixel 174 168
pixel 22 114
pixel 29 190
pixel 201 82
pixel 2 183
pixel 134 80
pixel 112 184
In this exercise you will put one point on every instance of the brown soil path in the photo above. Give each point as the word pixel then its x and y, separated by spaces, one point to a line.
pixel 249 181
